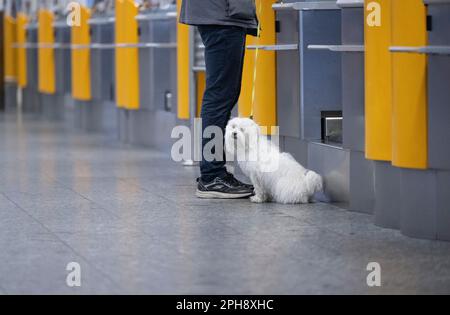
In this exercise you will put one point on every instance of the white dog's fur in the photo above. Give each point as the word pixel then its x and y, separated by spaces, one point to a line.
pixel 277 176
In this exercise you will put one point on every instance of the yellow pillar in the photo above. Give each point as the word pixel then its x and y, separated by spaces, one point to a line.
pixel 378 80
pixel 127 59
pixel 119 55
pixel 46 55
pixel 183 68
pixel 10 58
pixel 81 58
pixel 22 21
pixel 264 87
pixel 201 87
pixel 409 133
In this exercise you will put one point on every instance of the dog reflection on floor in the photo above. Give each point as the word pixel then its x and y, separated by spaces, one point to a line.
pixel 277 176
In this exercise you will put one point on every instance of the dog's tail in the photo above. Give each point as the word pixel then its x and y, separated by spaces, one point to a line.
pixel 315 182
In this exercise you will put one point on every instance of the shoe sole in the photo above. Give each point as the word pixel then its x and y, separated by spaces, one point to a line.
pixel 219 195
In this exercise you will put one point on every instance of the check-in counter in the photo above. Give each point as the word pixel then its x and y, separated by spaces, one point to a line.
pixel 10 56
pixel 378 112
pixel 438 53
pixel 52 100
pixel 396 118
pixel 102 57
pixel 351 49
pixel 288 80
pixel 146 73
pixel 21 55
pixel 198 71
pixel 63 67
pixel 258 93
pixel 30 93
pixel 362 193
pixel 102 110
pixel 190 67
pixel 152 123
pixel 424 209
pixel 406 126
pixel 197 86
pixel 417 198
pixel 126 64
pixel 309 90
pixel 86 114
pixel 184 56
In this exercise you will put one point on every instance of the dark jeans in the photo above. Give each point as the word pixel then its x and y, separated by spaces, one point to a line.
pixel 224 56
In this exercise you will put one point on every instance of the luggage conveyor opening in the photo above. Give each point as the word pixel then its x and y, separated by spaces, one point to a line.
pixel 332 127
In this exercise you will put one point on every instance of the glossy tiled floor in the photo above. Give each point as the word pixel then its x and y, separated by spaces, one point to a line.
pixel 128 216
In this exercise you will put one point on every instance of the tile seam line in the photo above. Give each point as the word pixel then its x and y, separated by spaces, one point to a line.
pixel 62 241
pixel 319 227
pixel 84 197
pixel 103 207
pixel 148 191
pixel 279 211
pixel 92 201
pixel 169 200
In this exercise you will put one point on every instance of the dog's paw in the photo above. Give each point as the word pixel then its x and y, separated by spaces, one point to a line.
pixel 257 199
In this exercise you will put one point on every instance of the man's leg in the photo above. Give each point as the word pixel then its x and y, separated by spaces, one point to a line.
pixel 224 56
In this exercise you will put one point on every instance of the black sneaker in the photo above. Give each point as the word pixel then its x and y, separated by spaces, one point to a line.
pixel 237 182
pixel 223 188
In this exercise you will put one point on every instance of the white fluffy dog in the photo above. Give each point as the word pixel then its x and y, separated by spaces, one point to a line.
pixel 277 176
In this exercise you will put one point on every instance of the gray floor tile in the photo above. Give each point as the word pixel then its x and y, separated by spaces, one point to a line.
pixel 34 259
pixel 129 216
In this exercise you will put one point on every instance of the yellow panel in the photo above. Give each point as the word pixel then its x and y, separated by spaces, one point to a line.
pixel 120 92
pixel 264 107
pixel 10 58
pixel 183 69
pixel 81 59
pixel 409 134
pixel 378 73
pixel 22 21
pixel 127 59
pixel 46 55
pixel 201 86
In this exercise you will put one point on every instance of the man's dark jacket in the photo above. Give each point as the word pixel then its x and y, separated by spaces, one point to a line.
pixel 220 12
